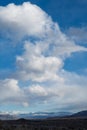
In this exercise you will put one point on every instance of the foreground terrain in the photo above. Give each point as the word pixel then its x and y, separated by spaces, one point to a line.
pixel 47 124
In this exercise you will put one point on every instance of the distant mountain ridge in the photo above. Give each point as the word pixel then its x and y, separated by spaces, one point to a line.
pixel 7 117
pixel 43 115
pixel 36 115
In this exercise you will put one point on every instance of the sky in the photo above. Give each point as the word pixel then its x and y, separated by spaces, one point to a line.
pixel 43 51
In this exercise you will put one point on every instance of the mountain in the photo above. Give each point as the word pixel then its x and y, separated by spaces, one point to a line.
pixel 43 115
pixel 36 115
pixel 81 114
pixel 7 117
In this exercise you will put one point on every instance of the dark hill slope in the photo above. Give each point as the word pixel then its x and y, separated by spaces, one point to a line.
pixel 82 114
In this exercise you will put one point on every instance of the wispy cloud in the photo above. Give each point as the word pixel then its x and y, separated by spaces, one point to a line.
pixel 78 34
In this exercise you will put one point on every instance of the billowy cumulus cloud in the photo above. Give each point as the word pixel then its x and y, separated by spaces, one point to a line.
pixel 45 48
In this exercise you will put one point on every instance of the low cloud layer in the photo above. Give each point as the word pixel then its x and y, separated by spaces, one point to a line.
pixel 39 77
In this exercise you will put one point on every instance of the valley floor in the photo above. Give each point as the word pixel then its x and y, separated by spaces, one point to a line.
pixel 48 124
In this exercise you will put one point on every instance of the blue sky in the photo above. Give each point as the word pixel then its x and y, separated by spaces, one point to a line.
pixel 43 50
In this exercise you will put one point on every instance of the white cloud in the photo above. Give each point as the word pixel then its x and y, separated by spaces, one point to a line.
pixel 20 21
pixel 37 90
pixel 45 48
pixel 59 95
pixel 36 67
pixel 9 89
pixel 28 20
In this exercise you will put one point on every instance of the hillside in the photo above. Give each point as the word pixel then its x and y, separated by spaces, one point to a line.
pixel 81 114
